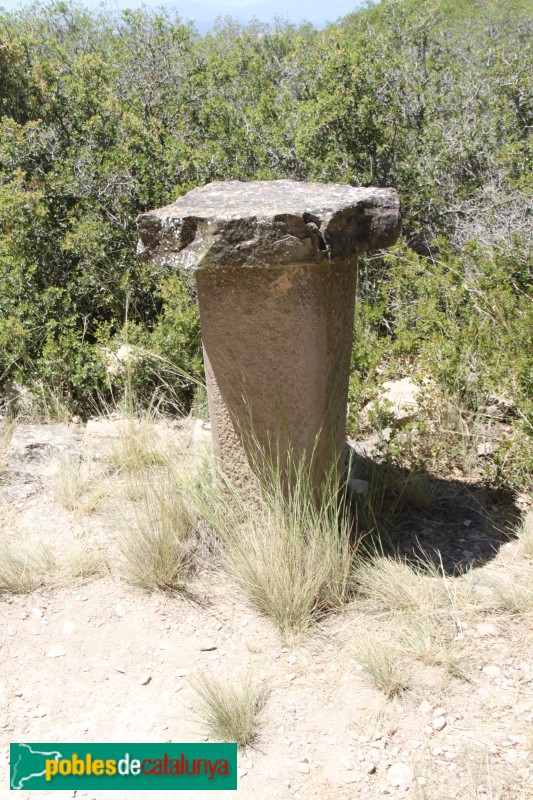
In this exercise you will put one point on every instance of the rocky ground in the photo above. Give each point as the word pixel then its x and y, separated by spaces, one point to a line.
pixel 89 658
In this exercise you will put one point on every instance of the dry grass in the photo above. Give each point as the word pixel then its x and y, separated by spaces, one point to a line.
pixel 391 490
pixel 74 488
pixel 7 427
pixel 514 594
pixel 394 585
pixel 432 640
pixel 493 781
pixel 24 565
pixel 381 663
pixel 391 584
pixel 425 609
pixel 230 712
pixel 289 550
pixel 153 532
pixel 85 561
pixel 139 446
pixel 525 535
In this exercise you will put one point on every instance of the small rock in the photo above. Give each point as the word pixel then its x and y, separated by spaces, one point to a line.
pixel 304 768
pixel 120 611
pixel 291 660
pixel 37 612
pixel 56 651
pixel 206 646
pixel 358 486
pixel 182 673
pixel 439 723
pixel 11 631
pixel 145 680
pixel 486 629
pixel 492 671
pixel 371 768
pixel 425 707
pixel 485 449
pixel 402 395
pixel 40 711
pixel 21 491
pixel 241 773
pixel 400 775
pixel 37 443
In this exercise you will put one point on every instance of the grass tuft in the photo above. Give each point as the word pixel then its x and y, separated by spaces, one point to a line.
pixel 139 446
pixel 429 640
pixel 394 585
pixel 154 532
pixel 24 565
pixel 74 489
pixel 514 595
pixel 7 427
pixel 84 561
pixel 381 664
pixel 289 550
pixel 229 712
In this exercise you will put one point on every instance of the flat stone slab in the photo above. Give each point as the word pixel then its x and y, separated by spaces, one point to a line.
pixel 268 224
pixel 31 444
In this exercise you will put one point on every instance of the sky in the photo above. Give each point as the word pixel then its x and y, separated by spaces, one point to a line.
pixel 204 12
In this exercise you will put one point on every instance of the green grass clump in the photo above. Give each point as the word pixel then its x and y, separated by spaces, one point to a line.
pixel 288 548
pixel 230 712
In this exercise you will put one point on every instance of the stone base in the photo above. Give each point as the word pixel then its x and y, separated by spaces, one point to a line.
pixel 277 345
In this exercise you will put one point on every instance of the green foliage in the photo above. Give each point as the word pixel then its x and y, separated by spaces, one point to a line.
pixel 104 116
pixel 466 319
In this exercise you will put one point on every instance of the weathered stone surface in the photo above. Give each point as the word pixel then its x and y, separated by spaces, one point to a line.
pixel 275 266
pixel 34 443
pixel 277 357
pixel 268 223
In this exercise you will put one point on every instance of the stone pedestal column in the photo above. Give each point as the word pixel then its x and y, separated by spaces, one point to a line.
pixel 275 266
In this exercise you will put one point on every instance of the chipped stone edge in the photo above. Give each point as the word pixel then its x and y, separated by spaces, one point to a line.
pixel 170 237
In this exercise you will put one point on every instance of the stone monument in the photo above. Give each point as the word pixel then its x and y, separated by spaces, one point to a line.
pixel 275 265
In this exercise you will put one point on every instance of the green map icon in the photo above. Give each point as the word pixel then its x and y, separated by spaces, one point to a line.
pixel 28 764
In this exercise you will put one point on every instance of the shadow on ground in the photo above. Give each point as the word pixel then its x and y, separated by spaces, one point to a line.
pixel 418 516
